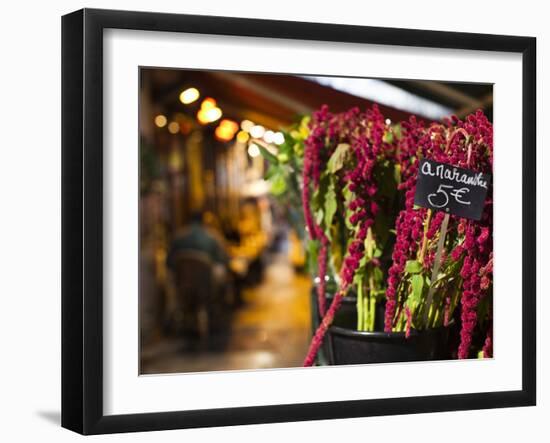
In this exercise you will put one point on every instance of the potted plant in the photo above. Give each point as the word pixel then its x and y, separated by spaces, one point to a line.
pixel 463 275
pixel 349 196
pixel 376 248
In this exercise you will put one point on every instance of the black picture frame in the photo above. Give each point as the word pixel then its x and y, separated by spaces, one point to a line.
pixel 82 220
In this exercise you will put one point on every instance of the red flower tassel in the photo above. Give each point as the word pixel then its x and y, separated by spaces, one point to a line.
pixel 322 329
pixel 488 345
pixel 408 325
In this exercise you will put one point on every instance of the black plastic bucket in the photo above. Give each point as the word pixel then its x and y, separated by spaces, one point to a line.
pixel 348 346
pixel 345 317
pixel 344 345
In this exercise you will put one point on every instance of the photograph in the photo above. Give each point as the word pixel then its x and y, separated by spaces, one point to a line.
pixel 290 220
pixel 255 222
pixel 271 220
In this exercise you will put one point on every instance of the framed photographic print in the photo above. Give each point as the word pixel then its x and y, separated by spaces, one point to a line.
pixel 269 221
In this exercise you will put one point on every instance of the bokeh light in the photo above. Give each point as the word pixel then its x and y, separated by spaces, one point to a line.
pixel 174 127
pixel 253 150
pixel 161 120
pixel 189 96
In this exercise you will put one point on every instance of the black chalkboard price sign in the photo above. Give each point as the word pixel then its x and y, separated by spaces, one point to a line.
pixel 450 189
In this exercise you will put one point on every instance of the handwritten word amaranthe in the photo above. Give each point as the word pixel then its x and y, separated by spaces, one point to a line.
pixel 447 172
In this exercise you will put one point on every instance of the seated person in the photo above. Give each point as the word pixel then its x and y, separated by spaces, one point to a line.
pixel 202 281
pixel 197 237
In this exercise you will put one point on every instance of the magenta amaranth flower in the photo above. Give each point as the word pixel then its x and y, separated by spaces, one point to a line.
pixel 408 231
pixel 466 144
pixel 314 159
pixel 317 340
pixel 447 316
pixel 477 266
pixel 366 146
pixel 475 283
pixel 409 319
pixel 488 344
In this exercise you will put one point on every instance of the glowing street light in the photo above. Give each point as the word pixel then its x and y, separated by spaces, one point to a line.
pixel 189 96
pixel 174 127
pixel 253 150
pixel 242 136
pixel 246 125
pixel 257 131
pixel 209 112
pixel 278 138
pixel 209 116
pixel 268 136
pixel 226 130
pixel 161 120
pixel 208 103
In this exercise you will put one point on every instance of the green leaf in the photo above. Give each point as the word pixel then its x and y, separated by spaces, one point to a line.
pixel 348 197
pixel 359 275
pixel 387 137
pixel 330 205
pixel 278 184
pixel 319 216
pixel 364 260
pixel 336 248
pixel 318 198
pixel 283 157
pixel 378 276
pixel 413 267
pixel 397 174
pixel 338 157
pixel 369 245
pixel 295 134
pixel 382 222
pixel 268 155
pixel 272 171
pixel 384 174
pixel 417 286
pixel 397 131
pixel 312 252
pixel 298 149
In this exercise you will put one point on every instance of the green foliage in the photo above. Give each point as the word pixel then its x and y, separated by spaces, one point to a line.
pixel 417 289
pixel 413 267
pixel 388 137
pixel 312 253
pixel 397 131
pixel 387 176
pixel 268 155
pixel 348 197
pixel 330 207
pixel 338 157
pixel 278 184
pixel 284 172
pixel 329 203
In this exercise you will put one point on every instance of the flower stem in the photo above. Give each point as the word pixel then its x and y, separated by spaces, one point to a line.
pixel 366 313
pixel 425 236
pixel 372 313
pixel 360 305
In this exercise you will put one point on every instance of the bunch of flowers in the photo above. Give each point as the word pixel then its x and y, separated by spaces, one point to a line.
pixel 347 158
pixel 354 174
pixel 465 275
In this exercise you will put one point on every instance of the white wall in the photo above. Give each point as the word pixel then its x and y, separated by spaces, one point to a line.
pixel 30 218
